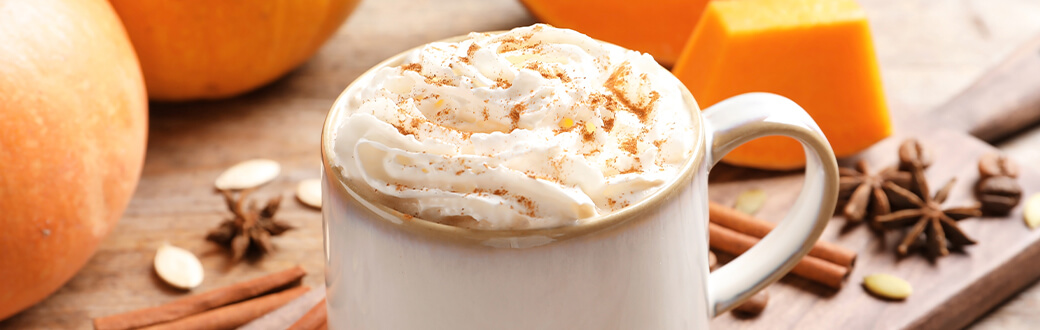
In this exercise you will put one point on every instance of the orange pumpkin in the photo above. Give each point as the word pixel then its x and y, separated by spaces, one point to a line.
pixel 818 53
pixel 658 27
pixel 73 120
pixel 203 49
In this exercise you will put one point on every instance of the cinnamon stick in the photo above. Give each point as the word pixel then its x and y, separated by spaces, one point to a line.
pixel 811 268
pixel 313 319
pixel 234 315
pixel 747 224
pixel 199 303
pixel 284 316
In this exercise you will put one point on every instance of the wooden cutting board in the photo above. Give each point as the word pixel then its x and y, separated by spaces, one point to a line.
pixel 948 294
pixel 928 50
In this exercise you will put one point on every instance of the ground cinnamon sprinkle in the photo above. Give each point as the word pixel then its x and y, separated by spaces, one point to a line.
pixel 613 85
pixel 587 135
pixel 538 177
pixel 593 151
pixel 514 114
pixel 636 166
pixel 400 129
pixel 510 44
pixel 564 78
pixel 608 104
pixel 528 205
pixel 608 124
pixel 469 53
pixel 501 84
pixel 630 145
pixel 547 72
pixel 435 80
pixel 441 114
pixel 412 67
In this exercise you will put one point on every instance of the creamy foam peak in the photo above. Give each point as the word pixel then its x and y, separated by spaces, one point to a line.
pixel 535 127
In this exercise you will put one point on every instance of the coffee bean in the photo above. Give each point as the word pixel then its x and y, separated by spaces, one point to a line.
pixel 994 164
pixel 913 154
pixel 998 194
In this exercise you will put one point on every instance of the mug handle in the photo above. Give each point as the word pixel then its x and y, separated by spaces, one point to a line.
pixel 743 118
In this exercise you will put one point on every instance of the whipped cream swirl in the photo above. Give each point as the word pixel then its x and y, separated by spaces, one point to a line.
pixel 532 128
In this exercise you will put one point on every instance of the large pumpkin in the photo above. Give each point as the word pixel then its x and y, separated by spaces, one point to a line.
pixel 658 27
pixel 206 49
pixel 73 120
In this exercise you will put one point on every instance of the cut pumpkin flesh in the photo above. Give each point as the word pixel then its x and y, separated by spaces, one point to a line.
pixel 818 53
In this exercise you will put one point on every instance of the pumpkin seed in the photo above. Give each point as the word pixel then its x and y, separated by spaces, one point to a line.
pixel 248 174
pixel 1032 212
pixel 750 201
pixel 178 267
pixel 887 286
pixel 309 192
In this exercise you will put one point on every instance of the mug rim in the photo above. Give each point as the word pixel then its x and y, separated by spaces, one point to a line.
pixel 627 215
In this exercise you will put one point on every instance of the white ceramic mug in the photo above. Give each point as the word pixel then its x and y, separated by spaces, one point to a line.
pixel 643 267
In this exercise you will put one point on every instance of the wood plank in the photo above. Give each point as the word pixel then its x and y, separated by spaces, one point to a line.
pixel 1004 101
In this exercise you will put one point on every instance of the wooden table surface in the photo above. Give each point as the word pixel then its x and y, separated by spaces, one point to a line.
pixel 928 50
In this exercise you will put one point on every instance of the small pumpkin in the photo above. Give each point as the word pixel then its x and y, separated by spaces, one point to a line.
pixel 73 120
pixel 203 49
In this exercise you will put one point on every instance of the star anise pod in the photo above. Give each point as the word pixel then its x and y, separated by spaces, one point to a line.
pixel 864 190
pixel 250 228
pixel 927 217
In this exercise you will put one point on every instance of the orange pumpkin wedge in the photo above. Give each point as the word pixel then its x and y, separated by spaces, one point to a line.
pixel 818 53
